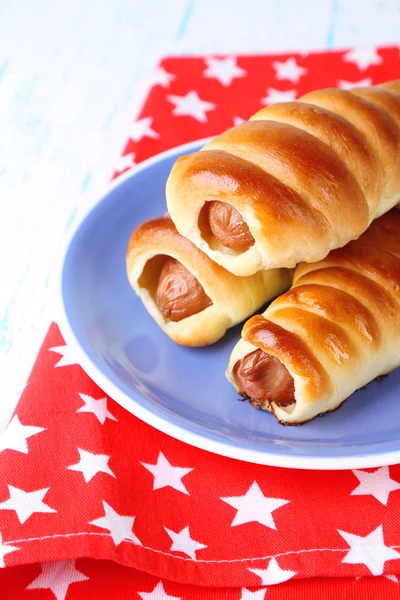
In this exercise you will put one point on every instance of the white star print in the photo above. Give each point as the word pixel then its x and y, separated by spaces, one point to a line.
pixel 254 506
pixel 273 573
pixel 238 120
pixel 182 542
pixel 57 576
pixel 26 504
pixel 142 128
pixel 289 69
pixel 97 407
pixel 5 549
pixel 273 96
pixel 392 578
pixel 369 550
pixel 347 85
pixel 126 161
pixel 157 594
pixel 191 106
pixel 165 475
pixel 90 464
pixel 377 484
pixel 15 435
pixel 67 357
pixel 249 595
pixel 119 526
pixel 363 58
pixel 162 77
pixel 223 69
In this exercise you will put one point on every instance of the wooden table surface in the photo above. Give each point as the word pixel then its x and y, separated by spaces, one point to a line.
pixel 72 77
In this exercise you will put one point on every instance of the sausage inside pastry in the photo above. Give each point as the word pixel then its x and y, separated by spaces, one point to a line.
pixel 335 330
pixel 193 299
pixel 296 181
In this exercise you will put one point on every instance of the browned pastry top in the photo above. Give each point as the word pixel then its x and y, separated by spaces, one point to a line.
pixel 336 325
pixel 290 349
pixel 301 162
pixel 299 178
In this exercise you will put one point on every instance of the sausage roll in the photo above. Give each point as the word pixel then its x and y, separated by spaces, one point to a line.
pixel 294 182
pixel 336 329
pixel 193 299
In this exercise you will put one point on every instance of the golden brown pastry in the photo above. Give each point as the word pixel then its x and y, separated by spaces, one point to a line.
pixel 336 329
pixel 193 299
pixel 294 182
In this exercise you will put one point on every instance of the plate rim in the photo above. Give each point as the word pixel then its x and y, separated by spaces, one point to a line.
pixel 132 403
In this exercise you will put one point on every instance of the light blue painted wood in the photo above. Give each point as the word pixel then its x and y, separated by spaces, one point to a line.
pixel 71 80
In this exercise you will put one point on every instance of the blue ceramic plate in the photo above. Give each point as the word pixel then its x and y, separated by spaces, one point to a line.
pixel 183 391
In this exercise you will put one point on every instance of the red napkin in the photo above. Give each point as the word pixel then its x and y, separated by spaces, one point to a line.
pixel 95 503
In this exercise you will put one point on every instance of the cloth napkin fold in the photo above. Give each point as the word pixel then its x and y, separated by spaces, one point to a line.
pixel 95 503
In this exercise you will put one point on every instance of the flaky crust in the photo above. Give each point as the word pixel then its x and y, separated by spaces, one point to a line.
pixel 233 298
pixel 307 177
pixel 338 327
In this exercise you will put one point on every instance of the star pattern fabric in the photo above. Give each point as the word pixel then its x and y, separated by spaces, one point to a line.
pixel 162 77
pixel 347 85
pixel 96 407
pixel 165 475
pixel 119 526
pixel 157 594
pixel 16 435
pixel 4 550
pixel 369 550
pixel 273 574
pixel 67 356
pixel 377 484
pixel 90 464
pixel 124 163
pixel 225 70
pixel 142 128
pixel 25 504
pixel 96 503
pixel 363 57
pixel 57 577
pixel 274 96
pixel 288 69
pixel 191 105
pixel 183 542
pixel 253 506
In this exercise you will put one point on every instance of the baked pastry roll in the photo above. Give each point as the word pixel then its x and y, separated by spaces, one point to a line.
pixel 336 329
pixel 193 299
pixel 294 182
